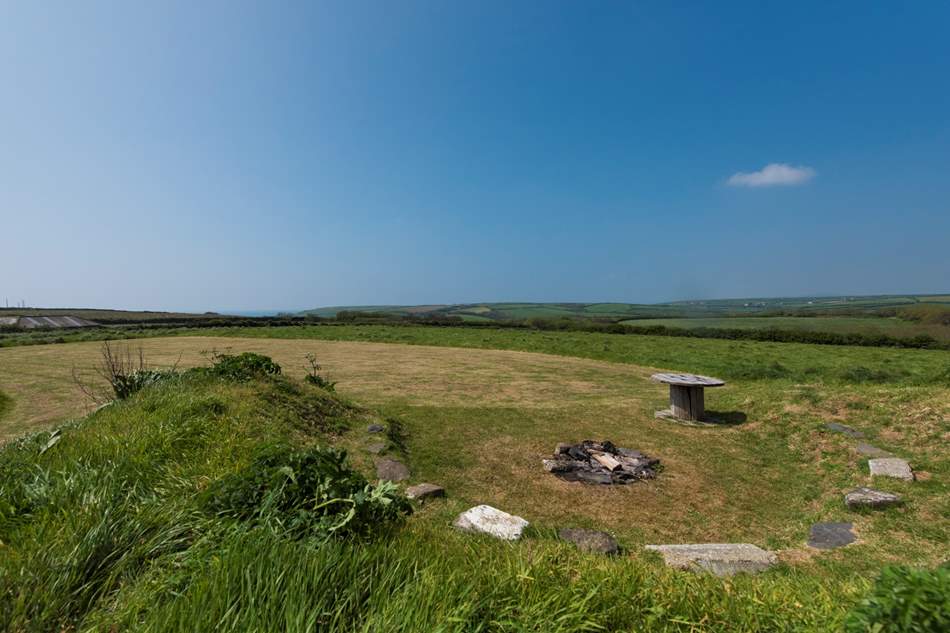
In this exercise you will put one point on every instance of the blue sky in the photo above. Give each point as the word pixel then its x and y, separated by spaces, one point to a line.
pixel 229 155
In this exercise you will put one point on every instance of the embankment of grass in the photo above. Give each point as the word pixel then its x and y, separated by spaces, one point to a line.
pixel 731 360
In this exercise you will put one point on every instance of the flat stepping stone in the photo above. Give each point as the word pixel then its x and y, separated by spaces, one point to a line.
pixel 593 541
pixel 492 521
pixel 721 559
pixel 391 470
pixel 894 467
pixel 845 429
pixel 871 451
pixel 423 492
pixel 376 447
pixel 870 498
pixel 830 535
pixel 375 428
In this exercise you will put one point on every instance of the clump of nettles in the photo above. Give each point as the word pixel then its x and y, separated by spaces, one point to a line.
pixel 310 494
pixel 905 600
pixel 240 367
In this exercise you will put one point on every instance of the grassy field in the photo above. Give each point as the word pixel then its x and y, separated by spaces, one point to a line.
pixel 740 360
pixel 108 529
pixel 677 309
pixel 478 420
pixel 889 326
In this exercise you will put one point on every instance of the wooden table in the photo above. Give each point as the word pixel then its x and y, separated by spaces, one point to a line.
pixel 686 395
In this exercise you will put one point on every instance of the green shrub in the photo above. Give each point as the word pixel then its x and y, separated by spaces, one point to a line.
pixel 905 600
pixel 241 367
pixel 311 493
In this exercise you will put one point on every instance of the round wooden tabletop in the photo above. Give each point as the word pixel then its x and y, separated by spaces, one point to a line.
pixel 688 380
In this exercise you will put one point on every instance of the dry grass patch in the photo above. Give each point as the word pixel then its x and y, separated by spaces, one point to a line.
pixel 41 377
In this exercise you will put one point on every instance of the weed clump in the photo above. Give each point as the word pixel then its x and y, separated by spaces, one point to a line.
pixel 905 600
pixel 124 371
pixel 313 375
pixel 240 367
pixel 309 494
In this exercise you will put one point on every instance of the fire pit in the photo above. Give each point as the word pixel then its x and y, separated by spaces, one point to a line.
pixel 600 463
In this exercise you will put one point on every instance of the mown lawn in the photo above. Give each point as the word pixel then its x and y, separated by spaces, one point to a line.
pixel 738 360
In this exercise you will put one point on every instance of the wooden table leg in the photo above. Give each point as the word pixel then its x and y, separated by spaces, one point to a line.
pixel 687 403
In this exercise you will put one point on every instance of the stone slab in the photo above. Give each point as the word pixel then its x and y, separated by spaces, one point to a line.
pixel 376 447
pixel 836 427
pixel 894 467
pixel 870 498
pixel 721 559
pixel 871 451
pixel 485 519
pixel 593 541
pixel 830 535
pixel 375 428
pixel 391 469
pixel 424 492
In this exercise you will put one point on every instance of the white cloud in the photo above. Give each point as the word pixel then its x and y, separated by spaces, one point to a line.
pixel 772 175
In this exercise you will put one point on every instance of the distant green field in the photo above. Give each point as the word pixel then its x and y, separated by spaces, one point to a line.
pixel 677 309
pixel 839 325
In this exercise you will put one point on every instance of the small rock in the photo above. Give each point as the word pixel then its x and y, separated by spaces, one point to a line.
pixel 391 470
pixel 871 451
pixel 590 540
pixel 375 428
pixel 488 520
pixel 845 429
pixel 722 559
pixel 891 467
pixel 870 498
pixel 421 492
pixel 830 535
pixel 376 447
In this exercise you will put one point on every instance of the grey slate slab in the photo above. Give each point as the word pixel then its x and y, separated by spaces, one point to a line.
pixel 722 559
pixel 830 535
